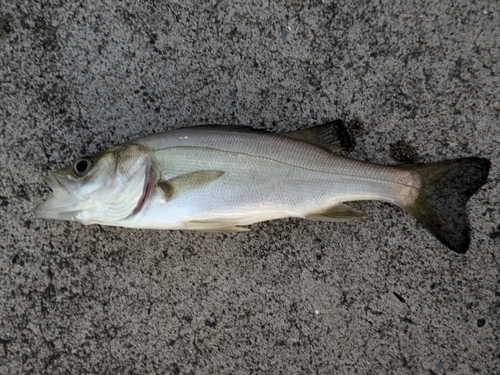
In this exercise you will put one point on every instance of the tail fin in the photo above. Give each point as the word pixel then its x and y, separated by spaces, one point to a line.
pixel 446 187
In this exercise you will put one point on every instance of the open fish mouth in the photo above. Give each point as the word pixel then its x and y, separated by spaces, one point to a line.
pixel 60 205
pixel 55 184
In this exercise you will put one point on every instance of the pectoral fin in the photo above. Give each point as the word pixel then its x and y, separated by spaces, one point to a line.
pixel 337 213
pixel 332 136
pixel 216 225
pixel 187 182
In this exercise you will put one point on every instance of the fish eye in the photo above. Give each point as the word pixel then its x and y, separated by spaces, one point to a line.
pixel 82 166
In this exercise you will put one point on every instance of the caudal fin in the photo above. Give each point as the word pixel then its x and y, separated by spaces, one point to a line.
pixel 445 190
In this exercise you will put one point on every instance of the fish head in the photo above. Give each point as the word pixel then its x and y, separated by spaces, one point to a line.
pixel 99 189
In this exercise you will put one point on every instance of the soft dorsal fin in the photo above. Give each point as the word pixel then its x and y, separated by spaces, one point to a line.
pixel 332 136
pixel 187 182
pixel 337 213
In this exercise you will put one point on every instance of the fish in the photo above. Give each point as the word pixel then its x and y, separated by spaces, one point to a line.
pixel 223 178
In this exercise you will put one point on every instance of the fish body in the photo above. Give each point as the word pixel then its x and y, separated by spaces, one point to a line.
pixel 225 178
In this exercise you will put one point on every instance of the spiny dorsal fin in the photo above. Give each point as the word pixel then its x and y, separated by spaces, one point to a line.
pixel 187 182
pixel 332 136
pixel 337 213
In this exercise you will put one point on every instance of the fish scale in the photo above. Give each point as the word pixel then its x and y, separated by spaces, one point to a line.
pixel 291 175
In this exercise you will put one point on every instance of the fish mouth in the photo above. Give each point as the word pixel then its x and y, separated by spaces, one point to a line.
pixel 60 205
pixel 55 184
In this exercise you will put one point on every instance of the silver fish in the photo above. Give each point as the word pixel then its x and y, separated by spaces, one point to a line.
pixel 222 178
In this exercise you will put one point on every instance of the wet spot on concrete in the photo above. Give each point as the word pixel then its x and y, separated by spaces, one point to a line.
pixel 47 34
pixel 5 26
pixel 356 127
pixel 494 235
pixel 403 152
pixel 439 366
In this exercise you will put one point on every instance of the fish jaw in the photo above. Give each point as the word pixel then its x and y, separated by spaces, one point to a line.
pixel 100 207
pixel 57 209
pixel 60 205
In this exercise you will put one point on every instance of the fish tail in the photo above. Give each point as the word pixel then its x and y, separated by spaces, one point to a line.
pixel 443 194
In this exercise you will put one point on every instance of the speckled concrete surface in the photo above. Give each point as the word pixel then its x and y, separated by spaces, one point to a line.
pixel 417 80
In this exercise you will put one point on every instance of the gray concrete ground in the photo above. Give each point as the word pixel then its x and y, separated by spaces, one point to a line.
pixel 291 296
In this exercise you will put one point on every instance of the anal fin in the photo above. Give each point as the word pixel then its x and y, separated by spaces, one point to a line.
pixel 337 213
pixel 216 225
